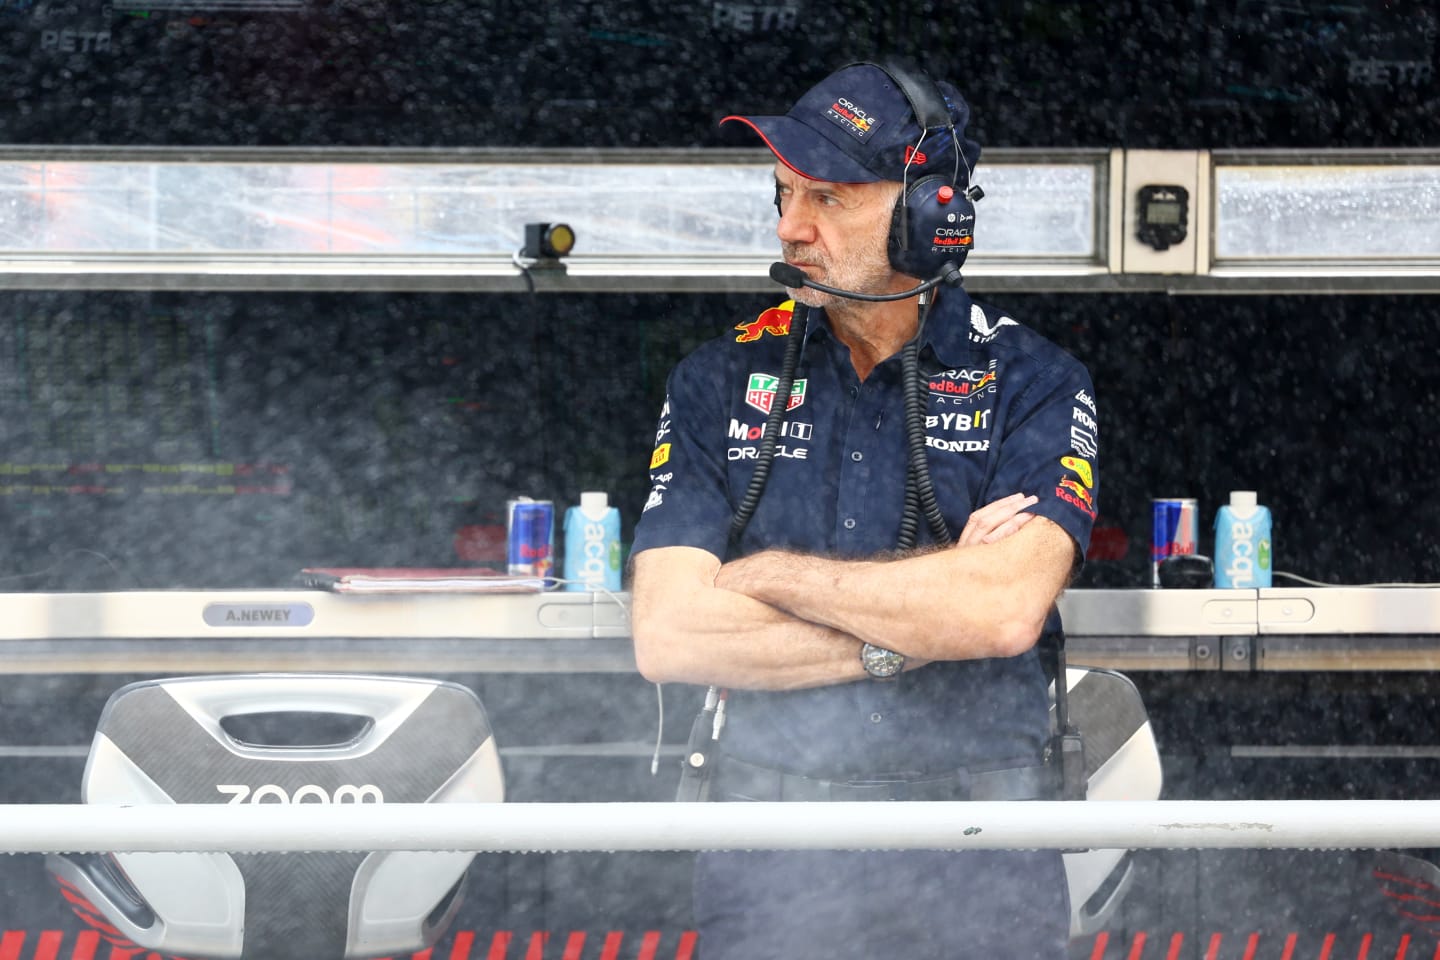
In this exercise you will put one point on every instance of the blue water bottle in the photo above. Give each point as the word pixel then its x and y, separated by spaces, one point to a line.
pixel 592 544
pixel 1243 548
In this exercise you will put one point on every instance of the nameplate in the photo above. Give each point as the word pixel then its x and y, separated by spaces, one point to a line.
pixel 259 614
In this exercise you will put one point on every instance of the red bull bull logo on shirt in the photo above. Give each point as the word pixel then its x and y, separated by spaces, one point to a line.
pixel 774 321
pixel 1075 494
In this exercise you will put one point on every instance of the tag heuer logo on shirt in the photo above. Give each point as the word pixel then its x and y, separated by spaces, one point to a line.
pixel 760 393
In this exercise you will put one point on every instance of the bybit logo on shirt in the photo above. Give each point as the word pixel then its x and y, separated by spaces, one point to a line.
pixel 959 422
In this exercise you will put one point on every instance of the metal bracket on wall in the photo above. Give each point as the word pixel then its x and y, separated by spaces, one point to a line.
pixel 1235 653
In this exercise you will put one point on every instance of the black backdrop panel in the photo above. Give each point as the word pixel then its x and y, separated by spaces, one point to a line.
pixel 636 73
pixel 216 440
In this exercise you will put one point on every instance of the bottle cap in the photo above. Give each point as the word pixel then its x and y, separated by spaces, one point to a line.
pixel 1243 500
pixel 594 502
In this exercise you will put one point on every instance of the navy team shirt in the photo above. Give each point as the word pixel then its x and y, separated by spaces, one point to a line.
pixel 1007 412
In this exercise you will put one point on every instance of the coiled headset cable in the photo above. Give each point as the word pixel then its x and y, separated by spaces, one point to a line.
pixel 919 489
pixel 770 436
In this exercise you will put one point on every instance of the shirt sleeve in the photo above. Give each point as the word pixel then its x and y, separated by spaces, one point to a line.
pixel 1051 449
pixel 689 503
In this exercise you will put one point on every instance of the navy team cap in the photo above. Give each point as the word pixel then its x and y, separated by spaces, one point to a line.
pixel 857 126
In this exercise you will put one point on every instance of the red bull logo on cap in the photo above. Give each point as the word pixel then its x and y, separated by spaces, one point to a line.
pixel 851 117
pixel 774 321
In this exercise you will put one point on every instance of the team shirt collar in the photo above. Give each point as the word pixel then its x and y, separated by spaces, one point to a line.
pixel 945 331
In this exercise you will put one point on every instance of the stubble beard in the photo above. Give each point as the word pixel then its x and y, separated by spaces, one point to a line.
pixel 864 269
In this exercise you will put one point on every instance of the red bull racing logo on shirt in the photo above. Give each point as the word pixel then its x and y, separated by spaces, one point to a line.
pixel 775 321
pixel 1076 491
pixel 962 384
pixel 1081 468
pixel 760 392
pixel 1075 494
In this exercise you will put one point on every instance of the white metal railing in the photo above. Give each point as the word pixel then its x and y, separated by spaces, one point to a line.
pixel 1160 824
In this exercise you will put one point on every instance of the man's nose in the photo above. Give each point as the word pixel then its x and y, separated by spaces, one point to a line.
pixel 795 225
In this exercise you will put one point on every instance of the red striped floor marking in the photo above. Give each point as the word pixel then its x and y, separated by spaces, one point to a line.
pixel 649 944
pixel 1256 947
pixel 90 944
pixel 86 943
pixel 611 950
pixel 460 950
pixel 49 946
pixel 499 945
pixel 574 944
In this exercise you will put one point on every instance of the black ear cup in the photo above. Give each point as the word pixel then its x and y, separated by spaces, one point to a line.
pixel 933 224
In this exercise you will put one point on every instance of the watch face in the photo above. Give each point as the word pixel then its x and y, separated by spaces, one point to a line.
pixel 881 663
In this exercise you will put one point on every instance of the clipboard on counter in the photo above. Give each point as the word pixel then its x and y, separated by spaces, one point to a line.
pixel 376 580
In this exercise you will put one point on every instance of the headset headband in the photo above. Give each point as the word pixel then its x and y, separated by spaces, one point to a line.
pixel 926 101
pixel 929 106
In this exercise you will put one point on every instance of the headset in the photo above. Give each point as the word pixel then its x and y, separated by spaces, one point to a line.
pixel 933 223
pixel 932 226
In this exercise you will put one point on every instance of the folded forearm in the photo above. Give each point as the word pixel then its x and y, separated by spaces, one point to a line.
pixel 715 636
pixel 941 605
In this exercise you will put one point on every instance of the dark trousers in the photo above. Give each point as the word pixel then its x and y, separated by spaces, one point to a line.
pixel 881 905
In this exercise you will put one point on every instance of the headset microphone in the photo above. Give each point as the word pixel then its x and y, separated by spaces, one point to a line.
pixel 793 277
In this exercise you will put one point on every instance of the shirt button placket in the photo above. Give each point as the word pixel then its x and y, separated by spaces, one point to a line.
pixel 852 494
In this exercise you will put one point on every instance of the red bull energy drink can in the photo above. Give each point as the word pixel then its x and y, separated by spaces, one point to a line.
pixel 530 537
pixel 1176 530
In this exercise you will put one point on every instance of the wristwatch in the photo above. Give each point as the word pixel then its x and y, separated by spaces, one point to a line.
pixel 880 663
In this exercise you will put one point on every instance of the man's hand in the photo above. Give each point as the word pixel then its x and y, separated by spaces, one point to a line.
pixel 998 520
